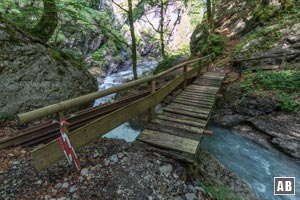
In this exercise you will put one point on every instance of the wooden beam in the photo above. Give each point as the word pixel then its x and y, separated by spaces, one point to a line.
pixel 49 154
pixel 169 141
pixel 62 106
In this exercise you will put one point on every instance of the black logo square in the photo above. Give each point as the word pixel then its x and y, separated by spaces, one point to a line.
pixel 284 185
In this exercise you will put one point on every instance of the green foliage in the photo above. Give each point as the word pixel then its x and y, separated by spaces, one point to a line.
pixel 285 85
pixel 220 192
pixel 166 64
pixel 288 103
pixel 215 45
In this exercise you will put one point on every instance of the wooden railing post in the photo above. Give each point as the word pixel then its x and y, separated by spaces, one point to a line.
pixel 61 119
pixel 185 76
pixel 153 90
pixel 199 71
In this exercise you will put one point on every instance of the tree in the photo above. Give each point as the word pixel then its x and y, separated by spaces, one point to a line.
pixel 48 22
pixel 209 16
pixel 129 13
pixel 160 29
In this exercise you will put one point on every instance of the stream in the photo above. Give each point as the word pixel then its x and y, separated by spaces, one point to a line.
pixel 252 162
pixel 123 131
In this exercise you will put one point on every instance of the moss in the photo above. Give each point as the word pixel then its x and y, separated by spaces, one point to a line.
pixel 166 64
pixel 214 45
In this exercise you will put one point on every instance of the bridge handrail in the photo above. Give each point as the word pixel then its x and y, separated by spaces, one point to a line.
pixel 64 105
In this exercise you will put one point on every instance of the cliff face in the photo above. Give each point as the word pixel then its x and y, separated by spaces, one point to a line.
pixel 233 19
pixel 32 75
pixel 259 30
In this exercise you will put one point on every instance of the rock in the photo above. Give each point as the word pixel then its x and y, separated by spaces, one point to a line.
pixel 120 155
pixel 16 163
pixel 84 172
pixel 65 185
pixel 166 169
pixel 72 189
pixel 58 186
pixel 32 75
pixel 190 196
pixel 113 158
pixel 293 39
pixel 47 197
pixel 212 172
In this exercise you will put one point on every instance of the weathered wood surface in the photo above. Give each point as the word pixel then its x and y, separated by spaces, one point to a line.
pixel 97 128
pixel 184 141
pixel 186 117
pixel 168 141
pixel 49 154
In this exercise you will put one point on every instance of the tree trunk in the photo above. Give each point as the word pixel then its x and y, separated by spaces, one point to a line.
pixel 133 41
pixel 162 44
pixel 48 23
pixel 209 16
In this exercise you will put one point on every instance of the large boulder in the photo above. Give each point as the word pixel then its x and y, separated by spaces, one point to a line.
pixel 32 75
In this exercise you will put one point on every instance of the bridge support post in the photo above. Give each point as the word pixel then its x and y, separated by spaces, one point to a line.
pixel 185 76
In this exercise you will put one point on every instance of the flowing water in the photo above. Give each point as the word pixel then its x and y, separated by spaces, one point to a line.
pixel 124 131
pixel 252 162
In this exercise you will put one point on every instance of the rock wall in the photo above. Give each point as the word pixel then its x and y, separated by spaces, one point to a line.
pixel 278 128
pixel 233 19
pixel 32 75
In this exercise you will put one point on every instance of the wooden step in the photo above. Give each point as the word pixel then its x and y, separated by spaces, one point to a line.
pixel 211 98
pixel 178 116
pixel 187 128
pixel 168 141
pixel 193 104
pixel 187 95
pixel 199 102
pixel 198 87
pixel 195 91
pixel 181 121
pixel 188 108
pixel 189 114
pixel 196 111
pixel 173 131
pixel 196 94
pixel 211 74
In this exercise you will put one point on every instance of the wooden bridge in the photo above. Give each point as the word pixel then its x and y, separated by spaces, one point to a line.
pixel 181 125
pixel 177 130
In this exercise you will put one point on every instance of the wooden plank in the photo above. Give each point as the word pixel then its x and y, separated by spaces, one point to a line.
pixel 169 141
pixel 187 128
pixel 49 154
pixel 186 93
pixel 193 104
pixel 200 90
pixel 182 156
pixel 196 102
pixel 173 131
pixel 192 109
pixel 203 87
pixel 183 97
pixel 195 91
pixel 178 116
pixel 186 113
pixel 192 96
pixel 181 121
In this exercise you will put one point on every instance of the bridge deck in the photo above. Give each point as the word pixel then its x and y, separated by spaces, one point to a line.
pixel 180 127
